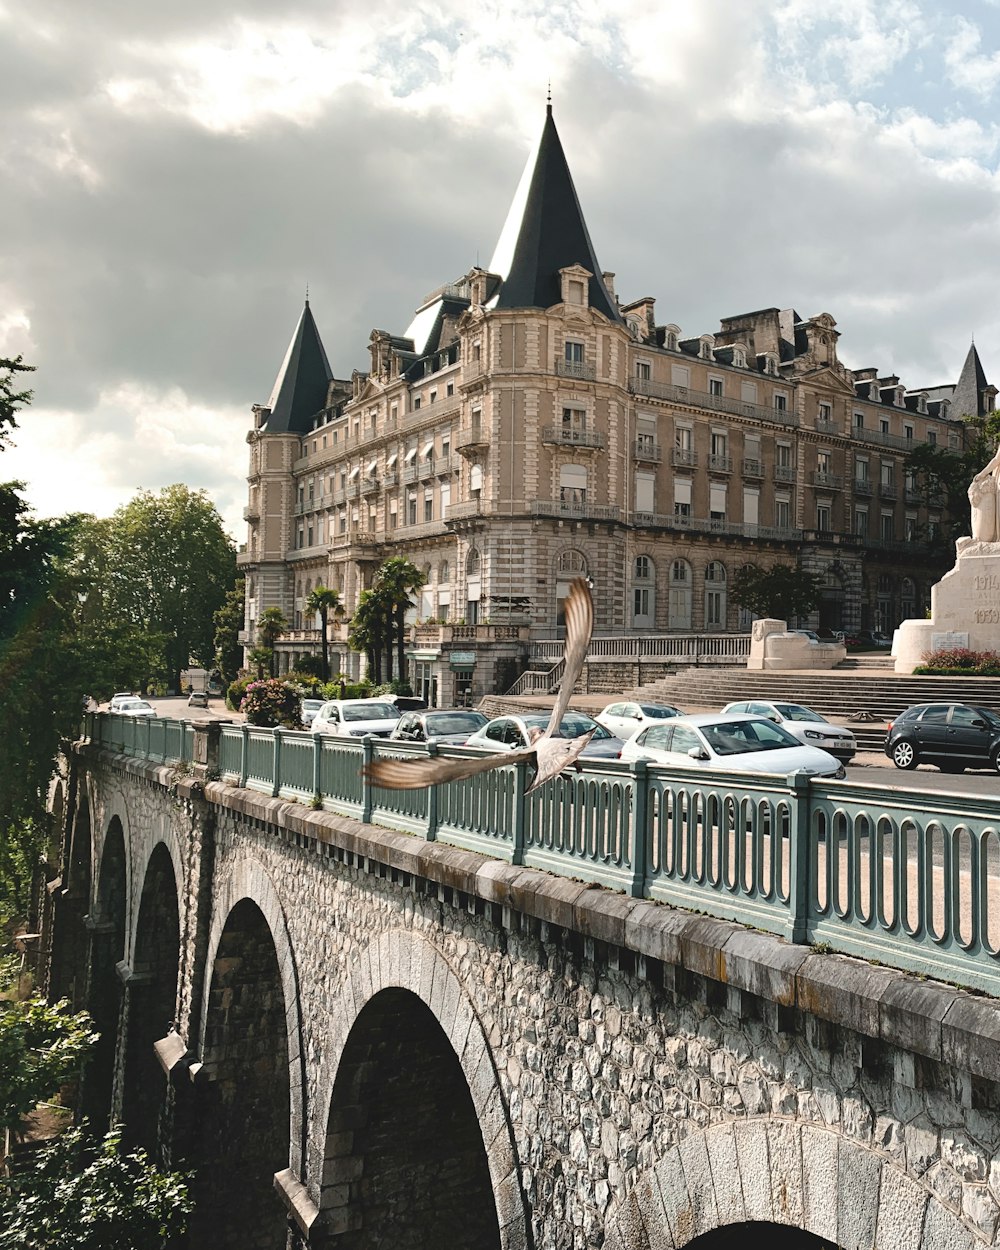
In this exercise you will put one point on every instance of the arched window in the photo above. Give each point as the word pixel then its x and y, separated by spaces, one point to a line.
pixel 476 480
pixel 572 562
pixel 473 586
pixel 444 572
pixel 643 593
pixel 573 485
pixel 680 595
pixel 472 563
pixel 715 595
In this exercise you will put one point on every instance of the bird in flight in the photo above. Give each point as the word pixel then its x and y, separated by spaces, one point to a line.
pixel 549 753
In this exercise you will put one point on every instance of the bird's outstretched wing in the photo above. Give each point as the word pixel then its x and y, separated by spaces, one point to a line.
pixel 416 774
pixel 578 608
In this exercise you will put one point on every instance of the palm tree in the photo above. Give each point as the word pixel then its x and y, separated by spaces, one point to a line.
pixel 323 600
pixel 271 624
pixel 369 632
pixel 397 579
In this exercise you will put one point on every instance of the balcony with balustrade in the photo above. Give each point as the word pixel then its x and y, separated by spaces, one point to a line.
pixel 573 436
pixel 471 442
pixel 753 470
pixel 784 473
pixel 647 449
pixel 576 369
pixel 826 480
pixel 683 458
pixel 888 490
pixel 709 525
pixel 579 510
pixel 717 403
pixel 720 464
pixel 863 486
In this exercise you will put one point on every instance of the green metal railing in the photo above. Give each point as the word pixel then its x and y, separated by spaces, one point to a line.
pixel 910 879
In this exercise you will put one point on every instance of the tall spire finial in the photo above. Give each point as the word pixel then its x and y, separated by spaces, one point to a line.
pixel 307 292
pixel 548 99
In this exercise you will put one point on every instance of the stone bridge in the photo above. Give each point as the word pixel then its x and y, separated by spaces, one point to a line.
pixel 360 1038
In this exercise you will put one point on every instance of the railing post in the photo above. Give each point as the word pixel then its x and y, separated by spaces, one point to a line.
pixel 799 850
pixel 640 828
pixel 520 813
pixel 276 762
pixel 367 755
pixel 432 803
pixel 317 757
pixel 244 751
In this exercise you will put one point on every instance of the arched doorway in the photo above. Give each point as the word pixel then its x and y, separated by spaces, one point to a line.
pixel 107 949
pixel 244 1113
pixel 152 998
pixel 404 1138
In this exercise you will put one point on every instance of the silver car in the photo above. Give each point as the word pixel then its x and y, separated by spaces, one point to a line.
pixel 510 733
pixel 811 729
pixel 626 719
pixel 730 743
pixel 355 718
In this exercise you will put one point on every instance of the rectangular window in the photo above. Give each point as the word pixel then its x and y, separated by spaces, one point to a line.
pixel 393 514
pixel 416 403
pixel 715 386
pixel 932 437
pixel 644 484
pixel 883 425
pixel 823 463
pixel 642 370
pixel 680 375
pixel 433 395
pixel 823 517
pixel 826 412
pixel 859 420
pixel 908 433
pixel 861 522
pixel 717 501
pixel 782 512
pixel 719 443
pixel 887 478
pixel 751 506
pixel 449 390
pixel 574 352
pixel 861 469
pixel 911 528
pixel 682 437
pixel 411 509
pixel 574 420
pixel 783 455
pixel 682 496
pixel 445 499
pixel 748 392
pixel 780 402
pixel 428 506
pixel 888 527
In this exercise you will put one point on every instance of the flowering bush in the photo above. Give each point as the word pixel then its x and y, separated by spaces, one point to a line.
pixel 272 702
pixel 961 662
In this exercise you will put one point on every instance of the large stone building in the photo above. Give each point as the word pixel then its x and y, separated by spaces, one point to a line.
pixel 529 427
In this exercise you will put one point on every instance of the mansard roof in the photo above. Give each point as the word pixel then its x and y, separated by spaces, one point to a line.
pixel 545 232
pixel 300 388
pixel 967 401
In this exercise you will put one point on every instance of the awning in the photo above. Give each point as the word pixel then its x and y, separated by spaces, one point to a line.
pixel 423 655
pixel 391 461
pixel 411 455
pixel 354 473
pixel 428 447
pixel 372 466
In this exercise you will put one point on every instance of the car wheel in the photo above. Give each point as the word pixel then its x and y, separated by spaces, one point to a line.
pixel 904 755
pixel 996 762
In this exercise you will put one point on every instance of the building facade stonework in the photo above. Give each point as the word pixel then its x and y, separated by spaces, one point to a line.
pixel 529 427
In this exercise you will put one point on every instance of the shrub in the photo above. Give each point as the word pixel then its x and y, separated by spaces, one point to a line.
pixel 308 684
pixel 272 702
pixel 235 693
pixel 960 662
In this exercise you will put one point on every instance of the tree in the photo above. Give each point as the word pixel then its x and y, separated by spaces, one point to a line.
pixel 783 592
pixel 396 579
pixel 943 475
pixel 11 401
pixel 228 621
pixel 370 631
pixel 169 567
pixel 41 1047
pixel 271 624
pixel 86 1195
pixel 322 600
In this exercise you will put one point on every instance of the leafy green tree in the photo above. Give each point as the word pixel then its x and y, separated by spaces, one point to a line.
pixel 322 600
pixel 782 592
pixel 397 579
pixel 41 1047
pixel 370 632
pixel 170 565
pixel 943 475
pixel 228 622
pixel 11 401
pixel 86 1195
pixel 271 624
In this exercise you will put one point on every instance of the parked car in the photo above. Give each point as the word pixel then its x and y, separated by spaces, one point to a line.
pixel 309 709
pixel 405 702
pixel 354 718
pixel 729 741
pixel 116 699
pixel 510 733
pixel 803 723
pixel 954 736
pixel 626 719
pixel 135 707
pixel 453 726
pixel 869 638
pixel 198 698
pixel 809 633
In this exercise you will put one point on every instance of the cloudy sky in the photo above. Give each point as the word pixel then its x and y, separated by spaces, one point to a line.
pixel 176 174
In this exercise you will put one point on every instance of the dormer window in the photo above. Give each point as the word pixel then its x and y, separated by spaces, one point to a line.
pixel 575 281
pixel 705 345
pixel 739 358
pixel 873 391
pixel 899 397
pixel 921 403
pixel 671 337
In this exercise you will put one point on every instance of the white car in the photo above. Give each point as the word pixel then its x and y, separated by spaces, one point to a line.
pixel 309 709
pixel 117 699
pixel 134 707
pixel 514 733
pixel 734 743
pixel 626 719
pixel 811 729
pixel 356 718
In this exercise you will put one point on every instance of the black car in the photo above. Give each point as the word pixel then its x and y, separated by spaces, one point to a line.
pixel 954 736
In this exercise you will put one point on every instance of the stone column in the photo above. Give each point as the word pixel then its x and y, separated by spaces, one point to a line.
pixel 207 735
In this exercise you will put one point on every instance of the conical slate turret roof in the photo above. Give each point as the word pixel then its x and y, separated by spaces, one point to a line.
pixel 300 388
pixel 545 232
pixel 967 401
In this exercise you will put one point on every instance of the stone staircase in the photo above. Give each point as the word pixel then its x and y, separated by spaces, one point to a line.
pixel 876 695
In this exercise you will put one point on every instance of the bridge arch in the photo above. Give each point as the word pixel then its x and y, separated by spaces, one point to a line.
pixel 403 1003
pixel 251 1076
pixel 142 846
pixel 785 1175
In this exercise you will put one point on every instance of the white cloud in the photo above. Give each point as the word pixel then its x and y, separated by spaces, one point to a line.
pixel 968 68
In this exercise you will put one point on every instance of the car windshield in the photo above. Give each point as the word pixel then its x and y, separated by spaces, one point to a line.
pixel 739 737
pixel 454 722
pixel 312 705
pixel 369 711
pixel 571 726
pixel 794 711
pixel 655 712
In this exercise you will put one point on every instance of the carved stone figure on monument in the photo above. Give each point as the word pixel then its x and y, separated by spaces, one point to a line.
pixel 984 496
